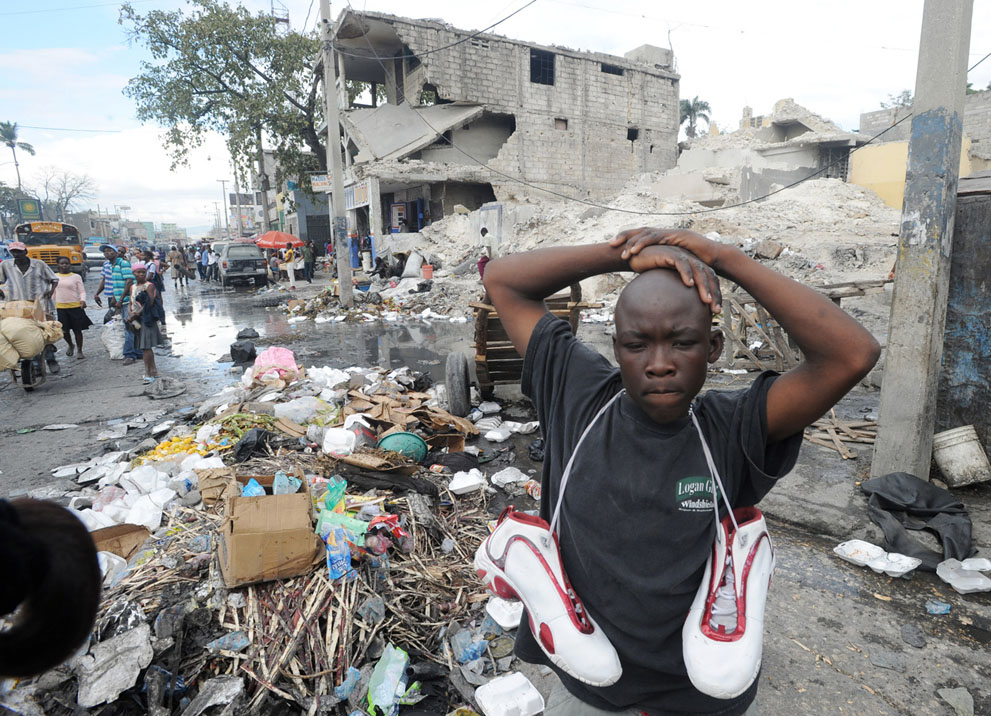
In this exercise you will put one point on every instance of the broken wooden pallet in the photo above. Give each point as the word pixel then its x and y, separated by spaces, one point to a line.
pixel 833 433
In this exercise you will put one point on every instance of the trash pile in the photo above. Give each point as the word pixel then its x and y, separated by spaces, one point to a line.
pixel 300 541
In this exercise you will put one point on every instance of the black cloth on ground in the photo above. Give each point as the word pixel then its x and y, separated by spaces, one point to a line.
pixel 899 502
pixel 637 523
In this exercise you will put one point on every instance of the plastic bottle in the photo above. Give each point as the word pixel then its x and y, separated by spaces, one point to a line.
pixel 280 485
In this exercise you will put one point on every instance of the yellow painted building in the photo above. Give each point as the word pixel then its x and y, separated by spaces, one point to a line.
pixel 881 168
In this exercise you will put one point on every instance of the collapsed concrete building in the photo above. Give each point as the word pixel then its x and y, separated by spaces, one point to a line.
pixel 766 152
pixel 471 118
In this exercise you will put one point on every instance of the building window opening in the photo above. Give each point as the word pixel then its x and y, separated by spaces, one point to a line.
pixel 412 61
pixel 560 123
pixel 611 69
pixel 632 134
pixel 541 67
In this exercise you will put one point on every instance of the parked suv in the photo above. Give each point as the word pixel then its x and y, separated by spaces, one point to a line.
pixel 241 262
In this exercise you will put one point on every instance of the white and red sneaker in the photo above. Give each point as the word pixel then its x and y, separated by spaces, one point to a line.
pixel 723 636
pixel 521 560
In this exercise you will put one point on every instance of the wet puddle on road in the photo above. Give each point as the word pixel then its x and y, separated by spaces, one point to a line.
pixel 204 321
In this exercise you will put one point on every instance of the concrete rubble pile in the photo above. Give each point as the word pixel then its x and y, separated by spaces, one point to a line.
pixel 300 541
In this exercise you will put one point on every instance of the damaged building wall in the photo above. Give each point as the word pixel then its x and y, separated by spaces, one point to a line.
pixel 482 138
pixel 585 123
pixel 976 123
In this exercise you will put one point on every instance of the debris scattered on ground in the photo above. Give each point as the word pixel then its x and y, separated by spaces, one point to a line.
pixel 174 637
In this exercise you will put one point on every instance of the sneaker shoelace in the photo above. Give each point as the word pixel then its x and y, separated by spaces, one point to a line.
pixel 724 607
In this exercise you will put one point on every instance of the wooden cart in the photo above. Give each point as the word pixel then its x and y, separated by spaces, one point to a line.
pixel 496 360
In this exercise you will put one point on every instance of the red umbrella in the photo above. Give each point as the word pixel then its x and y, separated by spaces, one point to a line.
pixel 277 240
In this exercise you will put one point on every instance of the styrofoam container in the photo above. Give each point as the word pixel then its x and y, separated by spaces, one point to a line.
pixel 960 456
pixel 865 554
pixel 506 614
pixel 965 581
pixel 465 482
pixel 509 695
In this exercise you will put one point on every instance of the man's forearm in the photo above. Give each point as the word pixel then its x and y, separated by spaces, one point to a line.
pixel 534 275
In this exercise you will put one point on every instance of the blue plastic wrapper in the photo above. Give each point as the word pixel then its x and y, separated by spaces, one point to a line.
pixel 347 686
pixel 934 606
pixel 338 553
pixel 253 489
pixel 466 647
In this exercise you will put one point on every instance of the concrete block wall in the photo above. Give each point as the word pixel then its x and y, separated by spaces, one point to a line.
pixel 592 157
pixel 976 122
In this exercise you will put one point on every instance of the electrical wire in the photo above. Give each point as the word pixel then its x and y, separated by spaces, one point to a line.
pixel 586 202
pixel 436 49
pixel 66 9
pixel 69 129
pixel 307 20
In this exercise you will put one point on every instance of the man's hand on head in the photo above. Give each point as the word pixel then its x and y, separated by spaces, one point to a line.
pixel 693 271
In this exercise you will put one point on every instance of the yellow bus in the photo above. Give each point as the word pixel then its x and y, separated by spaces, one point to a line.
pixel 50 240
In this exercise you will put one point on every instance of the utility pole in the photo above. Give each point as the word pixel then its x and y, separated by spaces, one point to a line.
pixel 263 183
pixel 237 201
pixel 223 195
pixel 338 220
pixel 907 414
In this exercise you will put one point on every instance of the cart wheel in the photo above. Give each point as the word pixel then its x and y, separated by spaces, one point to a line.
pixel 458 390
pixel 27 375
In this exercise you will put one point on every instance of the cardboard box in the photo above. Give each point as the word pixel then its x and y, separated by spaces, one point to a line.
pixel 122 540
pixel 266 538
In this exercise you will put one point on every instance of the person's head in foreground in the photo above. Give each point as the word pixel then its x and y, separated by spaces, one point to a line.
pixel 664 343
pixel 51 584
pixel 19 251
pixel 63 265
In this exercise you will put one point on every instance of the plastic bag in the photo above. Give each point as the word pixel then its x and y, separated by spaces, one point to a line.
pixel 25 336
pixel 113 335
pixel 253 489
pixel 273 364
pixel 300 410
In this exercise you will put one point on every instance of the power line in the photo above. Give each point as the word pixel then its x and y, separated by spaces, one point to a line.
pixel 612 208
pixel 307 20
pixel 69 129
pixel 436 49
pixel 73 7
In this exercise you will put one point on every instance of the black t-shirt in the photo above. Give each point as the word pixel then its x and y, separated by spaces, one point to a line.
pixel 637 523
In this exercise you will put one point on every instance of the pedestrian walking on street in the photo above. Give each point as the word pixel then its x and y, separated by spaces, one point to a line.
pixel 290 260
pixel 144 319
pixel 106 287
pixel 121 279
pixel 70 302
pixel 309 261
pixel 27 279
pixel 177 261
pixel 213 267
pixel 202 262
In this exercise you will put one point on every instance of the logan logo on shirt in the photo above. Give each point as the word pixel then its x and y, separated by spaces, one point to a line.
pixel 694 494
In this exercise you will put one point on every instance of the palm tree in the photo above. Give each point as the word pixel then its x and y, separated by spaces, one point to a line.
pixel 692 111
pixel 8 134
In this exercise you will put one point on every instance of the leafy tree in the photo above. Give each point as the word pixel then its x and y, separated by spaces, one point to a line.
pixel 8 134
pixel 60 190
pixel 902 99
pixel 692 111
pixel 219 68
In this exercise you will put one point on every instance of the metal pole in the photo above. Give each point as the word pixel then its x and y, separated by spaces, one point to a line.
pixel 339 222
pixel 263 181
pixel 907 414
pixel 237 200
pixel 223 194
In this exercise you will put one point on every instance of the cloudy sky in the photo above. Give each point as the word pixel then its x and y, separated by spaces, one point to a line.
pixel 64 63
